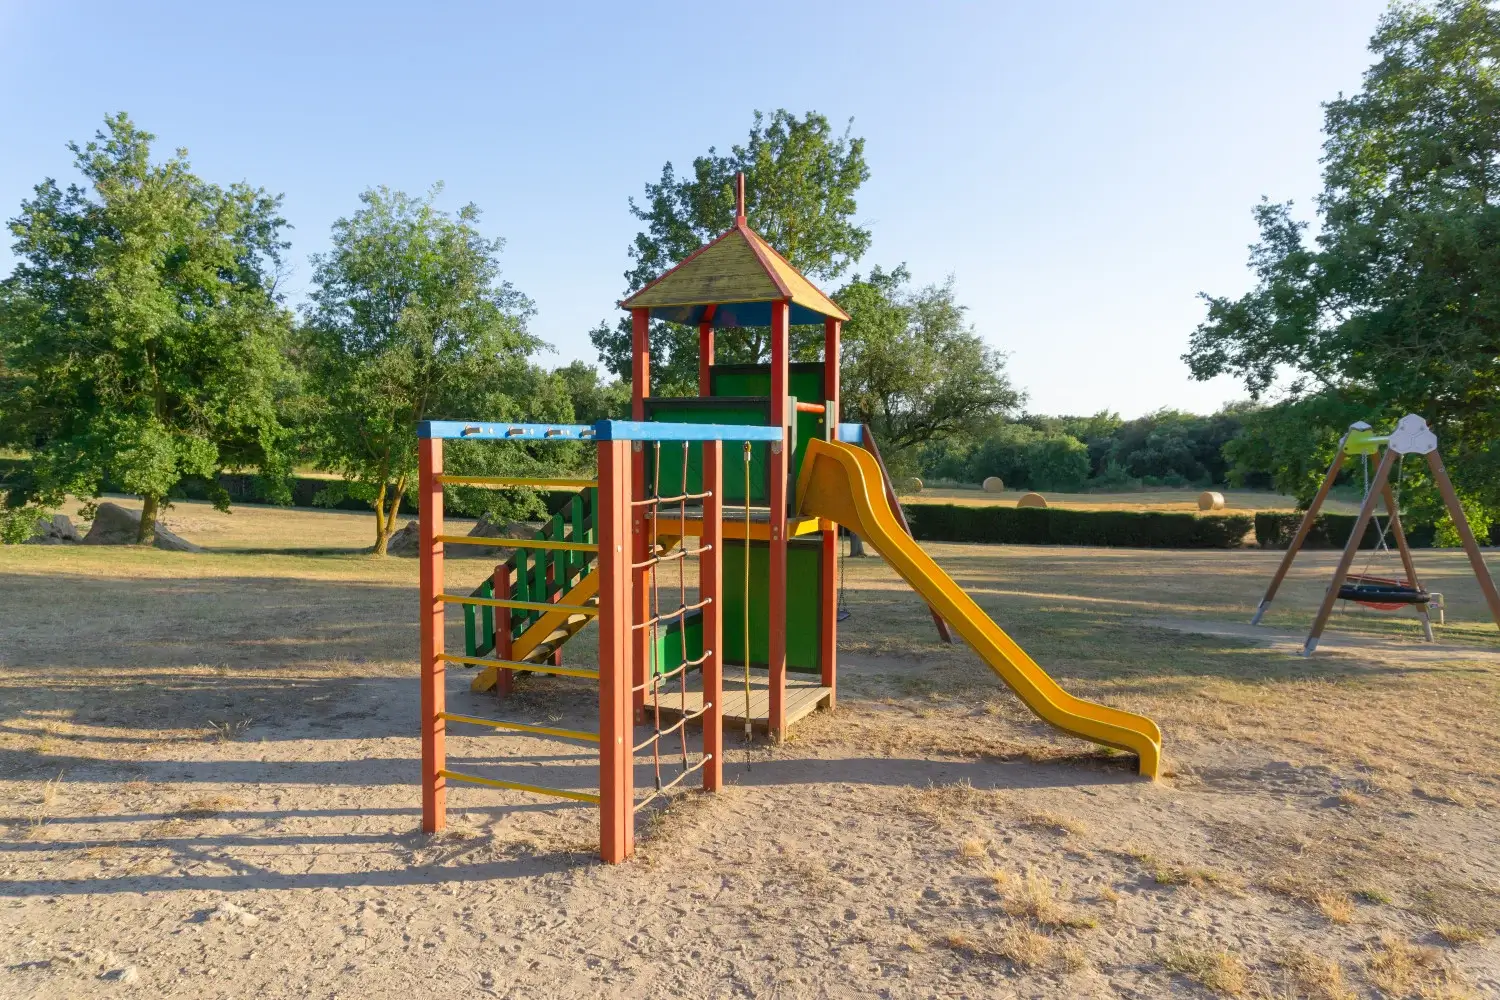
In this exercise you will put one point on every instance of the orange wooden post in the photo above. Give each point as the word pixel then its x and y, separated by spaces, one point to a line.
pixel 640 388
pixel 616 733
pixel 828 642
pixel 780 465
pixel 502 586
pixel 430 524
pixel 1341 571
pixel 711 590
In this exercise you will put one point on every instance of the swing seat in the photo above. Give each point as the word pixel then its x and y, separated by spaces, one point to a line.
pixel 1382 593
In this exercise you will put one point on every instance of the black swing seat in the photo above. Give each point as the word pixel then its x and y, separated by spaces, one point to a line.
pixel 1381 590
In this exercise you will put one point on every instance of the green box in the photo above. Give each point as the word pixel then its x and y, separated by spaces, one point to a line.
pixel 804 562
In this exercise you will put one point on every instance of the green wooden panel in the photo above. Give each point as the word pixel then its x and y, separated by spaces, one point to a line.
pixel 804 382
pixel 803 611
pixel 669 645
pixel 698 410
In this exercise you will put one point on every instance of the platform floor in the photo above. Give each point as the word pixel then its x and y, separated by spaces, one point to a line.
pixel 804 695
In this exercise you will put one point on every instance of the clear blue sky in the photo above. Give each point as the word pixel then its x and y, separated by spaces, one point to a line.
pixel 1083 170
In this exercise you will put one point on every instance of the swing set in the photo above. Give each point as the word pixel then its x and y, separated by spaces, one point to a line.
pixel 1411 437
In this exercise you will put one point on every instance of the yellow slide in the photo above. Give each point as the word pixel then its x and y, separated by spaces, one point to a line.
pixel 843 483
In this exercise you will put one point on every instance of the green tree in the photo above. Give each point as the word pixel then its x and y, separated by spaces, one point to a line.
pixel 141 329
pixel 913 368
pixel 592 397
pixel 800 180
pixel 409 319
pixel 1395 305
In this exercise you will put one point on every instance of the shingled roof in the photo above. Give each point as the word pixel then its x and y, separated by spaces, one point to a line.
pixel 739 274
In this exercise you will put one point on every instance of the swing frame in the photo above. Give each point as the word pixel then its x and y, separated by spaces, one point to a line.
pixel 1411 437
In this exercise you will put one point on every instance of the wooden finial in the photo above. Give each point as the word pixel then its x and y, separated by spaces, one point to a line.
pixel 739 198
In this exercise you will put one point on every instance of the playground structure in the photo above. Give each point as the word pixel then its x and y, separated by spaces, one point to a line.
pixel 766 544
pixel 1410 437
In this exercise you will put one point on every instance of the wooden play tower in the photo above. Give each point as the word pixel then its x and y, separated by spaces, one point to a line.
pixel 739 280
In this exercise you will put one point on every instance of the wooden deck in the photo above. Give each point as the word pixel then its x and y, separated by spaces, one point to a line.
pixel 804 695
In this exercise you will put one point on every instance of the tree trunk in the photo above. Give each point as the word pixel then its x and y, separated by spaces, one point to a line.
pixel 856 547
pixel 382 530
pixel 147 533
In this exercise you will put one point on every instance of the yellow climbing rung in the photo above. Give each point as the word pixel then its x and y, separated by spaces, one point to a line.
pixel 490 602
pixel 561 793
pixel 518 543
pixel 521 727
pixel 501 482
pixel 536 668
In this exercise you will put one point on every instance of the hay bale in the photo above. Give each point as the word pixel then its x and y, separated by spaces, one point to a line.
pixel 1032 500
pixel 116 525
pixel 909 485
pixel 994 484
pixel 1209 500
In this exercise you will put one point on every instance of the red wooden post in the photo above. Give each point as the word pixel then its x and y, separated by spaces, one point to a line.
pixel 710 589
pixel 430 524
pixel 640 388
pixel 828 590
pixel 501 586
pixel 616 734
pixel 706 350
pixel 780 455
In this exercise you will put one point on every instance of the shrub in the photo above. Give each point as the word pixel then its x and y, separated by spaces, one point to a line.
pixel 1055 526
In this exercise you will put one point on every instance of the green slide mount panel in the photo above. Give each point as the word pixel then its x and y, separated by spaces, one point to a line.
pixel 804 559
pixel 804 382
pixel 669 642
pixel 754 411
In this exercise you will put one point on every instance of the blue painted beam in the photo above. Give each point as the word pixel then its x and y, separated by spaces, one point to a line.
pixel 604 430
pixel 852 433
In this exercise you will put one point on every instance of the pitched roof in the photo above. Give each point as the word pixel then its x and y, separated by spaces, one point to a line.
pixel 740 274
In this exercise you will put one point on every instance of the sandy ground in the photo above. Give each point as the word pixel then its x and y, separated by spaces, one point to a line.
pixel 1161 500
pixel 209 765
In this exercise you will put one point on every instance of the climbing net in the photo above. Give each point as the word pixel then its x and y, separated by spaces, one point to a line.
pixel 665 685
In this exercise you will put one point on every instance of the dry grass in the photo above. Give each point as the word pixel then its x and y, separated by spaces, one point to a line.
pixel 974 849
pixel 211 806
pixel 1034 898
pixel 1214 969
pixel 1318 978
pixel 1336 906
pixel 1458 934
pixel 947 805
pixel 1025 947
pixel 1054 822
pixel 1398 968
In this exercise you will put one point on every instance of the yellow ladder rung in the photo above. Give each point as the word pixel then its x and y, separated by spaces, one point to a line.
pixel 518 543
pixel 540 482
pixel 536 668
pixel 561 793
pixel 521 727
pixel 490 602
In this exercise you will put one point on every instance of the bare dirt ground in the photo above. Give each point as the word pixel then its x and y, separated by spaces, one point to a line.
pixel 1161 500
pixel 208 764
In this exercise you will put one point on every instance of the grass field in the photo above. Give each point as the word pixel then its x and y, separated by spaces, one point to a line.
pixel 209 765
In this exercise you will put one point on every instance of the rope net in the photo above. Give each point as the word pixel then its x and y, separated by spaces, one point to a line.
pixel 666 685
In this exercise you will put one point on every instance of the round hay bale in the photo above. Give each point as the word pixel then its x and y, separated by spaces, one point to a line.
pixel 994 484
pixel 1209 500
pixel 909 485
pixel 1032 500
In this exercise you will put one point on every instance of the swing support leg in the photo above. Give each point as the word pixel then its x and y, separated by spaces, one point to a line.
pixel 1393 519
pixel 1377 488
pixel 1302 530
pixel 1465 533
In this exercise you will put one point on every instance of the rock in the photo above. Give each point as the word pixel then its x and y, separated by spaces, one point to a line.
pixel 128 974
pixel 59 530
pixel 407 541
pixel 116 525
pixel 994 484
pixel 1032 500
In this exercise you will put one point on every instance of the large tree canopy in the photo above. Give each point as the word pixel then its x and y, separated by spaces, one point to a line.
pixel 1394 306
pixel 800 181
pixel 140 331
pixel 913 368
pixel 409 319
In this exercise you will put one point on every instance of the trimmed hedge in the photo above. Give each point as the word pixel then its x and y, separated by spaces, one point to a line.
pixel 1276 529
pixel 1057 526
